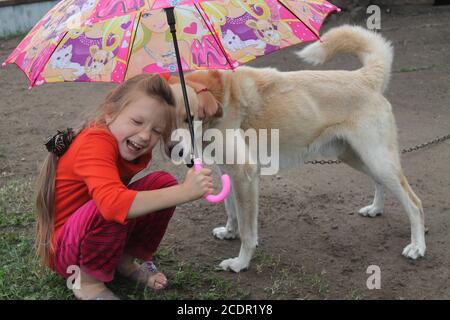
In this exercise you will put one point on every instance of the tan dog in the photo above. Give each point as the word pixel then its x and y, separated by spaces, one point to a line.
pixel 333 113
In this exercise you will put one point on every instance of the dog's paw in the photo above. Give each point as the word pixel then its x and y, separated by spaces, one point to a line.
pixel 370 211
pixel 233 264
pixel 414 251
pixel 224 234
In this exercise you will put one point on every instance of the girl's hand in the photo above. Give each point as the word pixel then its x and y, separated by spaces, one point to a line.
pixel 197 183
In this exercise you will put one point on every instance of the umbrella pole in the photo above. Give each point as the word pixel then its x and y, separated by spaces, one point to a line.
pixel 171 21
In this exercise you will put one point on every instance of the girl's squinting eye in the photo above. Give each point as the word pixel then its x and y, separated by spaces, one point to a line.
pixel 136 122
pixel 157 131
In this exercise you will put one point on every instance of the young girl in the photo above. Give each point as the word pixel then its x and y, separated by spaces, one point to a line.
pixel 88 215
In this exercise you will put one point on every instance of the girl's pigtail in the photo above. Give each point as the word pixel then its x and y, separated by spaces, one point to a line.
pixel 45 209
pixel 45 193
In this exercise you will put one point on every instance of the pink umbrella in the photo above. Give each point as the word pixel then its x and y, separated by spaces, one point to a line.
pixel 113 40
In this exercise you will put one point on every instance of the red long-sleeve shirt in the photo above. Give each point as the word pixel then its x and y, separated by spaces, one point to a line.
pixel 92 168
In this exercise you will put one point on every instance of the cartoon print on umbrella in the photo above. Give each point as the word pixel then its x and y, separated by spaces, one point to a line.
pixel 106 9
pixel 275 31
pixel 110 40
pixel 231 16
pixel 218 34
pixel 253 28
pixel 205 51
pixel 96 53
pixel 312 12
pixel 153 49
pixel 34 50
pixel 148 57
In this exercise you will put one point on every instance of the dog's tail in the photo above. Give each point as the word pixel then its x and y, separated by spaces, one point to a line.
pixel 373 50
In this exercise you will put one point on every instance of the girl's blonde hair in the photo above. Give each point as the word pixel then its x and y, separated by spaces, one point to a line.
pixel 151 85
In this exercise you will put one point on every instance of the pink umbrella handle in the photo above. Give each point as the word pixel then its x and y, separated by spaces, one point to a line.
pixel 198 165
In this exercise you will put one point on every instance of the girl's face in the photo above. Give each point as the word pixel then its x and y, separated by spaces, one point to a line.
pixel 138 127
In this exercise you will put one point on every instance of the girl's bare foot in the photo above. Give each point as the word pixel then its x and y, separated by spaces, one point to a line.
pixel 141 273
pixel 92 289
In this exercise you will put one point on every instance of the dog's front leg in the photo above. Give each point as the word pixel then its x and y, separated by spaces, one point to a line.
pixel 246 192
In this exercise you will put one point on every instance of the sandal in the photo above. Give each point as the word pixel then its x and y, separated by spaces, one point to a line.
pixel 146 271
pixel 105 294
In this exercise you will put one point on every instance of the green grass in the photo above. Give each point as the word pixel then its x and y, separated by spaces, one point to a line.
pixel 355 294
pixel 16 204
pixel 187 280
pixel 21 276
pixel 415 69
pixel 288 280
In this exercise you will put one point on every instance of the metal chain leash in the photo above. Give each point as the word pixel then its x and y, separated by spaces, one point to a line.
pixel 406 150
pixel 423 145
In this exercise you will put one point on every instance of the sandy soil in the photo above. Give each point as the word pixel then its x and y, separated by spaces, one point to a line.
pixel 309 224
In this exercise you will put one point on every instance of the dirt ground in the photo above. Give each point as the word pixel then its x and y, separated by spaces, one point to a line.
pixel 309 225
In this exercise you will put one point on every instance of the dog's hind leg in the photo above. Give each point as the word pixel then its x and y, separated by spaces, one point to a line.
pixel 231 228
pixel 377 206
pixel 383 163
pixel 246 190
pixel 350 158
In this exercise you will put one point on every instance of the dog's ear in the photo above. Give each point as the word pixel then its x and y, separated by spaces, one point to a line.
pixel 209 108
pixel 209 101
pixel 211 80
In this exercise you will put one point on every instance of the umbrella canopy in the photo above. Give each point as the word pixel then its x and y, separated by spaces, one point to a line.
pixel 114 40
pixel 111 40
